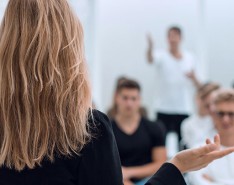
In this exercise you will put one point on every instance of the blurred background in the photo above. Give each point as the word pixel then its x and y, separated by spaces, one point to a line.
pixel 115 38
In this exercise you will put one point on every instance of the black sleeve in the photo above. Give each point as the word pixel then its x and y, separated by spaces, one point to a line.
pixel 100 163
pixel 168 174
pixel 157 133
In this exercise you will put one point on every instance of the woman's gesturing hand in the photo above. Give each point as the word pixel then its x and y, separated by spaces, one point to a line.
pixel 195 159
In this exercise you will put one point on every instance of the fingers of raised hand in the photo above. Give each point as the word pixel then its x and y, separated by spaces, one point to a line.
pixel 217 140
pixel 219 154
pixel 210 147
pixel 204 150
pixel 208 141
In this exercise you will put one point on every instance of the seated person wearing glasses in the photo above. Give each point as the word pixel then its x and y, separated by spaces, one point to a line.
pixel 141 143
pixel 192 134
pixel 221 172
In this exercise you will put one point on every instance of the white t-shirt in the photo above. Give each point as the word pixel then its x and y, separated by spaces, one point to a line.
pixel 221 171
pixel 174 87
pixel 196 129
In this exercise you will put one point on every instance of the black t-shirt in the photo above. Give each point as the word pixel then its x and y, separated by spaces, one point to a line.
pixel 136 149
pixel 98 164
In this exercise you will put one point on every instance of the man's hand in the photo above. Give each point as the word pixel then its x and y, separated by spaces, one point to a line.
pixel 195 159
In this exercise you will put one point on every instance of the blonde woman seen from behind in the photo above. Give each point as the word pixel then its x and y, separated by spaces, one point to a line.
pixel 45 100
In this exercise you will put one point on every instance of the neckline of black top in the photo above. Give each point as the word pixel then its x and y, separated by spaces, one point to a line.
pixel 133 133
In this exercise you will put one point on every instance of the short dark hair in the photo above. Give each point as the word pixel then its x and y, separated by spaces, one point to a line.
pixel 129 84
pixel 176 29
pixel 120 80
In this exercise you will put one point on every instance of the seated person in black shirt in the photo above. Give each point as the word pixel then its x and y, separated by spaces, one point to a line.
pixel 141 143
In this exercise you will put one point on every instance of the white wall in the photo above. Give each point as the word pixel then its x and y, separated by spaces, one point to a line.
pixel 220 40
pixel 121 38
pixel 121 44
pixel 3 4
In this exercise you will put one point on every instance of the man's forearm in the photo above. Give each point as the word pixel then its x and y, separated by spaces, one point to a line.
pixel 196 83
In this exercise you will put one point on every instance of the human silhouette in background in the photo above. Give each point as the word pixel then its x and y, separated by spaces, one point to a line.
pixel 176 72
pixel 141 143
pixel 221 172
pixel 192 134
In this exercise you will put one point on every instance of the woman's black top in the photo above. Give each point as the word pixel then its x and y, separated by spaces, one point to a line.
pixel 98 164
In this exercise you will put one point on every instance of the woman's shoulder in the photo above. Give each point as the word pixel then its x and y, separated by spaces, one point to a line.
pixel 97 115
pixel 100 157
pixel 98 121
pixel 99 126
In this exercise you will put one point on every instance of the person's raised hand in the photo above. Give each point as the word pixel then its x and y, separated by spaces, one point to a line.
pixel 196 159
pixel 150 48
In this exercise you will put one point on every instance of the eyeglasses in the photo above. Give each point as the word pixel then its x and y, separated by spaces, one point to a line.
pixel 222 114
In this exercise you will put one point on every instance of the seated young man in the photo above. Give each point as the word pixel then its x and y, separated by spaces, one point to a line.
pixel 141 143
pixel 112 111
pixel 197 128
pixel 220 172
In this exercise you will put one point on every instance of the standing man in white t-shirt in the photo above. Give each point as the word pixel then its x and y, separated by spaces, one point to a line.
pixel 175 68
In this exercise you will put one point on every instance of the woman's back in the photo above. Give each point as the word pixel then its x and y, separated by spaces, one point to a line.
pixel 98 163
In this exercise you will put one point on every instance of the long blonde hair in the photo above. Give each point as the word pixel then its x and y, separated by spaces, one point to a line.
pixel 45 95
